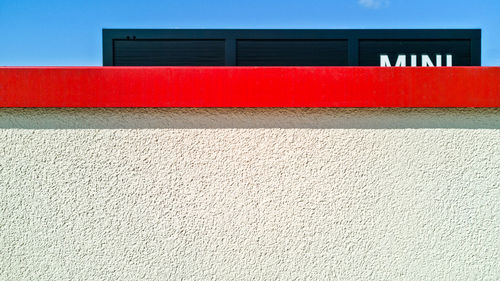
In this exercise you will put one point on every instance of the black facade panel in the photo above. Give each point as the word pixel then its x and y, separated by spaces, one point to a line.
pixel 169 52
pixel 287 47
pixel 370 51
pixel 291 53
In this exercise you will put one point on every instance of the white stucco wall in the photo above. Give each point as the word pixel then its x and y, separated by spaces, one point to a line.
pixel 240 194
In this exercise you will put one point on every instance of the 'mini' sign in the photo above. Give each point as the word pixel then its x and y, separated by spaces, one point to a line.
pixel 425 61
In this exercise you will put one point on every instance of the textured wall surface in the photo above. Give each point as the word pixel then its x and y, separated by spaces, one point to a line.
pixel 240 194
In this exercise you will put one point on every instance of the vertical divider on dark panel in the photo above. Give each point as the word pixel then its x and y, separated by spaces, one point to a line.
pixel 230 52
pixel 353 51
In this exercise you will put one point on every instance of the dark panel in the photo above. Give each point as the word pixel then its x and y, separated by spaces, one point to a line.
pixel 370 50
pixel 169 52
pixel 285 47
pixel 292 53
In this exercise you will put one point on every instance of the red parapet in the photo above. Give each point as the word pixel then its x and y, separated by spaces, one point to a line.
pixel 249 87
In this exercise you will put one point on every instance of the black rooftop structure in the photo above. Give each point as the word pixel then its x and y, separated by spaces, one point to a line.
pixel 285 47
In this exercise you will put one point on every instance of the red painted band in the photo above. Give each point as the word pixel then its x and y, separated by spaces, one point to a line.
pixel 249 87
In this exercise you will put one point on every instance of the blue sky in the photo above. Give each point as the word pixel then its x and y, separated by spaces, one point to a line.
pixel 68 32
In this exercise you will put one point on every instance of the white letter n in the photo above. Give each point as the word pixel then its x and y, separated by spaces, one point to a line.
pixel 426 61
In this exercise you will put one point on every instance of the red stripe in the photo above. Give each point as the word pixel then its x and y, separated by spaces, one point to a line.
pixel 249 87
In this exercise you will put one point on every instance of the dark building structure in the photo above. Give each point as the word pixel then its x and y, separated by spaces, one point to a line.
pixel 301 47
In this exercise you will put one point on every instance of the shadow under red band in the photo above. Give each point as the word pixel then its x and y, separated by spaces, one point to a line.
pixel 249 87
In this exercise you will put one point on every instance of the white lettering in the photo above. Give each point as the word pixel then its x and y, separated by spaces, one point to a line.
pixel 400 62
pixel 413 60
pixel 439 61
pixel 384 61
pixel 426 61
pixel 449 59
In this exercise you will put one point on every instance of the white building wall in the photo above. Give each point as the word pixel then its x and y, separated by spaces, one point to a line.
pixel 241 194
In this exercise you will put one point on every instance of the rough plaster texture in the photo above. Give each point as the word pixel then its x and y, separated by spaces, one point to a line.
pixel 240 194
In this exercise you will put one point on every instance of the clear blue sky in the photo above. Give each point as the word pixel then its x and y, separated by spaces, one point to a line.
pixel 68 32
